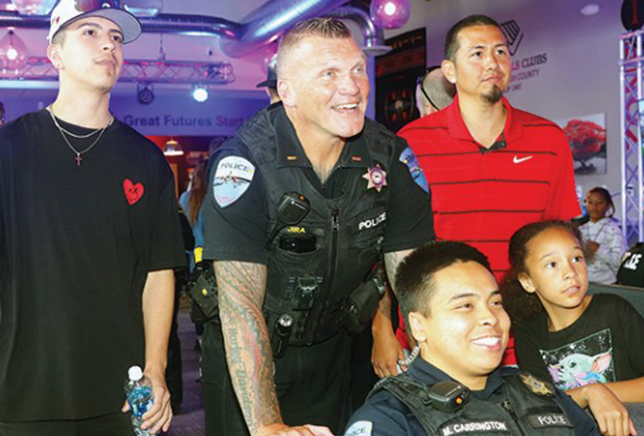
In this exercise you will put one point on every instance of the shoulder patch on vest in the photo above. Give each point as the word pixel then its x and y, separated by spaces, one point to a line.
pixel 409 158
pixel 360 428
pixel 232 179
pixel 535 385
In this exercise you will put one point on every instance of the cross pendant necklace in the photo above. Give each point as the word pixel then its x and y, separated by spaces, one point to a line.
pixel 79 153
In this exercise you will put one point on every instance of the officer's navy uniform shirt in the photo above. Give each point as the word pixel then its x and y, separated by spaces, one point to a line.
pixel 390 417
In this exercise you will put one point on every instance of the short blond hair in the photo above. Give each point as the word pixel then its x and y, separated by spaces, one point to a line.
pixel 323 27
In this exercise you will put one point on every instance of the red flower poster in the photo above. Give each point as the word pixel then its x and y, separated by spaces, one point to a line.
pixel 587 137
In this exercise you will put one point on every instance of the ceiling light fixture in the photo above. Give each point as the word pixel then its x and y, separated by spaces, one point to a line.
pixel 144 92
pixel 34 7
pixel 590 9
pixel 13 52
pixel 200 93
pixel 172 148
pixel 390 14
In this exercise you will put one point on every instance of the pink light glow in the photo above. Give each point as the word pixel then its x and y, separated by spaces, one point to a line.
pixel 390 14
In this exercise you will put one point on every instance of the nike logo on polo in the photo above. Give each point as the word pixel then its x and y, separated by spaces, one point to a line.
pixel 517 160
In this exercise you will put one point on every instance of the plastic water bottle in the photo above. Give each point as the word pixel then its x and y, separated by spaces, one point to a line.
pixel 139 395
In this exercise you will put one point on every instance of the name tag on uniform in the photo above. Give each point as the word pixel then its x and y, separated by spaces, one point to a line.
pixel 549 420
pixel 473 427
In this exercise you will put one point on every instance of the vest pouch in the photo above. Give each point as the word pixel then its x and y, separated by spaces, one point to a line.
pixel 203 293
pixel 360 307
pixel 297 243
pixel 306 289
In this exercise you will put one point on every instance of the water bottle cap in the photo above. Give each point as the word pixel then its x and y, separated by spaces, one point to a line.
pixel 135 373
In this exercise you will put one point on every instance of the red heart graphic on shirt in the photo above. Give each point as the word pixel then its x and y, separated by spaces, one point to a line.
pixel 133 192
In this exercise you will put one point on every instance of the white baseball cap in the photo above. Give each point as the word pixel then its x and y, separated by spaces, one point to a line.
pixel 68 11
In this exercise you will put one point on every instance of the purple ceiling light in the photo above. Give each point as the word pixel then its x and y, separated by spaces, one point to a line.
pixel 34 7
pixel 13 52
pixel 390 14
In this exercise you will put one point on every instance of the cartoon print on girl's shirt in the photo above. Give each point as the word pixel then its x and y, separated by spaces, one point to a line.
pixel 583 362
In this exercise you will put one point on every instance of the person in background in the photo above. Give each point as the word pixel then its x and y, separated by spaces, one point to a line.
pixel 587 345
pixel 455 309
pixel 2 114
pixel 191 201
pixel 271 81
pixel 304 201
pixel 604 241
pixel 89 240
pixel 491 167
pixel 193 198
pixel 433 91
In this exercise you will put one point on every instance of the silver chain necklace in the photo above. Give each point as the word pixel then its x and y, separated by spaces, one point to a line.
pixel 79 154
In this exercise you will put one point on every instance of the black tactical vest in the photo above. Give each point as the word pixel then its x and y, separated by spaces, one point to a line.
pixel 527 408
pixel 312 286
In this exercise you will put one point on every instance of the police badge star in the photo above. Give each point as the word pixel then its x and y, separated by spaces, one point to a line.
pixel 536 385
pixel 376 176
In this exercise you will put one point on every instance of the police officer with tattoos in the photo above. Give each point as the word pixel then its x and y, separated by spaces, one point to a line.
pixel 307 202
pixel 452 303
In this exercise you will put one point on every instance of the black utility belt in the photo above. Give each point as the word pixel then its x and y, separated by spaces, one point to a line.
pixel 357 311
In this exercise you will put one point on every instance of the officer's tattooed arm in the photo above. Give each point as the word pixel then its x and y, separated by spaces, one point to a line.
pixel 386 351
pixel 242 287
pixel 392 260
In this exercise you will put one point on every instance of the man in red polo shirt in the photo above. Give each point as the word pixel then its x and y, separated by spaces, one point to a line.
pixel 491 168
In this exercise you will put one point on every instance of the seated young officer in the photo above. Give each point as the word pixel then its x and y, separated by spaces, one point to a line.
pixel 452 303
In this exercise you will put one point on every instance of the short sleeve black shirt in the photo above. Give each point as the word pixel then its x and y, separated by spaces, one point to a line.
pixel 76 245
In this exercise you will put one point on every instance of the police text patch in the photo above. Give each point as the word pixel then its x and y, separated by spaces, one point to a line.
pixel 232 179
pixel 360 428
pixel 549 420
pixel 372 222
pixel 472 427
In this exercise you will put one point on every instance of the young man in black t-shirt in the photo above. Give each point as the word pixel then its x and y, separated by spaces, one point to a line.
pixel 89 238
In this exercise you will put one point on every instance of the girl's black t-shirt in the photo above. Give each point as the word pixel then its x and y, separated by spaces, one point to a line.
pixel 603 345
